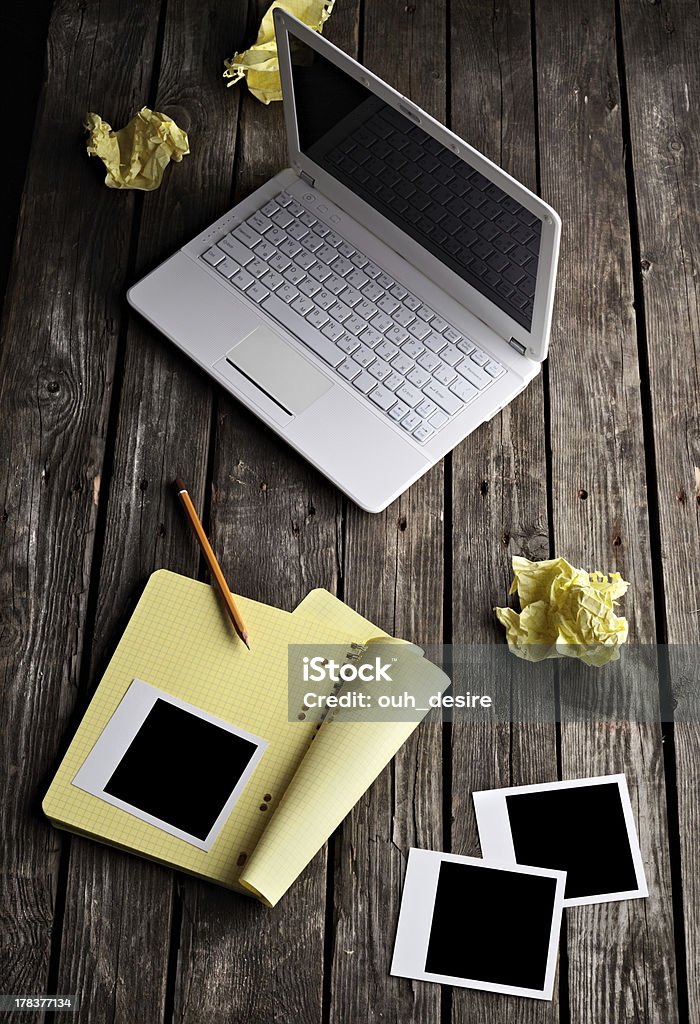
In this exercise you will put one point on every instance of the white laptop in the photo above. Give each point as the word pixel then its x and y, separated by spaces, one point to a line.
pixel 377 300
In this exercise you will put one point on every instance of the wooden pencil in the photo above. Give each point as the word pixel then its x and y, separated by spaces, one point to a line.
pixel 212 562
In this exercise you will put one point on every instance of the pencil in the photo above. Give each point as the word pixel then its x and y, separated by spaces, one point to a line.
pixel 214 566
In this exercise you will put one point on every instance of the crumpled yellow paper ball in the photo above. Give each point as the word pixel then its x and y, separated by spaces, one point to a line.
pixel 136 155
pixel 259 65
pixel 565 612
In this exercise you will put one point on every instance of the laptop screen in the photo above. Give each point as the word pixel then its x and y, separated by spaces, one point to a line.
pixel 466 221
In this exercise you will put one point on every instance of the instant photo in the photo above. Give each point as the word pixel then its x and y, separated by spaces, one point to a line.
pixel 170 764
pixel 474 924
pixel 584 827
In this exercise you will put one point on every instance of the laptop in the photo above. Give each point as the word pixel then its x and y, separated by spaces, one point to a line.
pixel 377 300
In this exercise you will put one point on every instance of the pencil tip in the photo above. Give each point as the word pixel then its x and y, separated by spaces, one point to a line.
pixel 245 641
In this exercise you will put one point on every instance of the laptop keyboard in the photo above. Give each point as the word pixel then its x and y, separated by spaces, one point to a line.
pixel 413 365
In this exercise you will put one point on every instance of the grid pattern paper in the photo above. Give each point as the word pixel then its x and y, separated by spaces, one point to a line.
pixel 180 640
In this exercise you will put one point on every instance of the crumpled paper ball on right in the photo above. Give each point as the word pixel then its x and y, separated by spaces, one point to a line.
pixel 565 612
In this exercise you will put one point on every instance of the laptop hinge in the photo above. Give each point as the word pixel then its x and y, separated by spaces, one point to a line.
pixel 518 346
pixel 307 178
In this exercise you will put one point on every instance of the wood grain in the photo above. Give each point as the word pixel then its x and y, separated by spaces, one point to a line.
pixel 385 563
pixel 499 488
pixel 163 426
pixel 57 361
pixel 275 526
pixel 660 45
pixel 598 450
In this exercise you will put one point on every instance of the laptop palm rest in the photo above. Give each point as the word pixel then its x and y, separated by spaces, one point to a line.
pixel 281 373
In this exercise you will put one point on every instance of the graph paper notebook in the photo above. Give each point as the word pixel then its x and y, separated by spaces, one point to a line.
pixel 187 754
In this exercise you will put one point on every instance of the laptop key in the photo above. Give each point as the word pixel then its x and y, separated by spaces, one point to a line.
pixel 419 329
pixel 272 280
pixel 309 287
pixel 452 335
pixel 282 218
pixel 236 250
pixel 332 330
pixel 473 374
pixel 359 260
pixel 445 374
pixel 410 422
pixel 244 233
pixel 355 324
pixel 279 262
pixel 493 368
pixel 351 296
pixel 429 361
pixel 438 419
pixel 346 343
pixel 397 335
pixel 418 376
pixel 304 260
pixel 371 269
pixel 349 369
pixel 380 369
pixel 243 280
pixel 398 411
pixel 465 346
pixel 426 408
pixel 363 355
pixel 404 316
pixel 213 256
pixel 286 292
pixel 393 381
pixel 410 395
pixel 227 267
pixel 412 302
pixel 302 305
pixel 324 298
pixel 382 397
pixel 423 432
pixel 319 272
pixel 371 337
pixel 451 355
pixel 364 383
pixel 294 274
pixel 463 389
pixel 316 317
pixel 447 401
pixel 435 342
pixel 334 283
pixel 259 222
pixel 289 247
pixel 479 357
pixel 372 291
pixel 284 199
pixel 269 208
pixel 340 311
pixel 257 292
pixel 381 322
pixel 412 348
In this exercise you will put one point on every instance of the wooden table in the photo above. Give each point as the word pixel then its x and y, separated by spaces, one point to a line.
pixel 596 107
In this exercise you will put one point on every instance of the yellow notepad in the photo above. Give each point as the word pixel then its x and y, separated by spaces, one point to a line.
pixel 180 644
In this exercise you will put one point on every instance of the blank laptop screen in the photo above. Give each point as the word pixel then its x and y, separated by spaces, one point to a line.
pixel 477 230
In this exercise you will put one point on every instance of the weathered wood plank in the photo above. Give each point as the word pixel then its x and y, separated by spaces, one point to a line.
pixel 498 481
pixel 621 955
pixel 162 431
pixel 660 57
pixel 275 524
pixel 394 574
pixel 60 330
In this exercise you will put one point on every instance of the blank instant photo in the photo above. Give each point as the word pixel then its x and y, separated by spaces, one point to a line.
pixel 467 922
pixel 584 827
pixel 171 764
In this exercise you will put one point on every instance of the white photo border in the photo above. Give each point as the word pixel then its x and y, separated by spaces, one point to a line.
pixel 496 837
pixel 416 918
pixel 118 735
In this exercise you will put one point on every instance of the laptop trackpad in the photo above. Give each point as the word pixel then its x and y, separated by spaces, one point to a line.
pixel 278 370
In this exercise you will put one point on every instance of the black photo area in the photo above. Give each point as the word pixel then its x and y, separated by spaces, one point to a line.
pixel 580 830
pixel 466 221
pixel 180 768
pixel 491 925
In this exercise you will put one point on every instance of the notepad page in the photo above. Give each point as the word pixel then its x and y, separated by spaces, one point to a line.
pixel 180 640
pixel 339 766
